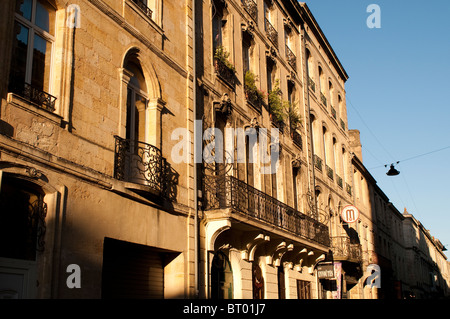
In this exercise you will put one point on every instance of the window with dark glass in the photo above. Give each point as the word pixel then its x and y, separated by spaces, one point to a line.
pixel 32 49
pixel 217 23
pixel 246 45
pixel 281 283
pixel 22 219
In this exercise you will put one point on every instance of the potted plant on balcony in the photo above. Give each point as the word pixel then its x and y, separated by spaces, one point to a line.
pixel 221 58
pixel 276 105
pixel 293 116
pixel 252 93
pixel 223 67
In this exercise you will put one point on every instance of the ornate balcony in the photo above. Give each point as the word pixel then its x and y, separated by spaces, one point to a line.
pixel 297 138
pixel 138 163
pixel 343 124
pixel 344 250
pixel 323 99
pixel 348 188
pixel 333 112
pixel 229 192
pixel 271 33
pixel 43 99
pixel 291 58
pixel 142 4
pixel 225 73
pixel 312 84
pixel 253 98
pixel 318 162
pixel 252 8
pixel 339 181
pixel 330 172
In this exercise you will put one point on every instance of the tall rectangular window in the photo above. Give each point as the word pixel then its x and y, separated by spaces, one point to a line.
pixel 32 50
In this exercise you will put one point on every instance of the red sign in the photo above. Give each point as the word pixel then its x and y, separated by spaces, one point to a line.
pixel 350 214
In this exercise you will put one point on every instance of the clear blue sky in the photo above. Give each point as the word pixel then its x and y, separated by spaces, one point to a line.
pixel 398 96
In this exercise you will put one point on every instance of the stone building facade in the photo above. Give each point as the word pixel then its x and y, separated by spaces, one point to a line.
pixel 90 93
pixel 184 149
pixel 429 276
pixel 260 229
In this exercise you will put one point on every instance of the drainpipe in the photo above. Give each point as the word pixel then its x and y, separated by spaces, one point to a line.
pixel 194 98
pixel 311 177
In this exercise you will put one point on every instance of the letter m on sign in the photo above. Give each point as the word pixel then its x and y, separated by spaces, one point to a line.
pixel 350 214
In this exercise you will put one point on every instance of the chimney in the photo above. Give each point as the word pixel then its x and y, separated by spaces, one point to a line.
pixel 355 143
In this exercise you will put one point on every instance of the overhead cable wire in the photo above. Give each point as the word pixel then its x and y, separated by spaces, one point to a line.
pixel 368 128
pixel 416 156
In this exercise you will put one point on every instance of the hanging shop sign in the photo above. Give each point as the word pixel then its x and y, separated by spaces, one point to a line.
pixel 350 214
pixel 325 271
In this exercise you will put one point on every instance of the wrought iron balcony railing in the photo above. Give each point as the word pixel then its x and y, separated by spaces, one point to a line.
pixel 142 4
pixel 224 72
pixel 32 94
pixel 318 162
pixel 343 124
pixel 344 249
pixel 312 84
pixel 333 112
pixel 253 98
pixel 230 192
pixel 348 188
pixel 271 32
pixel 297 138
pixel 139 163
pixel 291 58
pixel 323 99
pixel 339 181
pixel 330 172
pixel 252 8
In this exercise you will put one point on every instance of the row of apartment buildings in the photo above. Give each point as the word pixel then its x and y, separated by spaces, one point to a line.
pixel 102 169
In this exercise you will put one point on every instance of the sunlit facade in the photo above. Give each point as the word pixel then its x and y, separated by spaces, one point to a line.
pixel 107 190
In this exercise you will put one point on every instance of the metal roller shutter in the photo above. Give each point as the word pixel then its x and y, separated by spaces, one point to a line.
pixel 132 271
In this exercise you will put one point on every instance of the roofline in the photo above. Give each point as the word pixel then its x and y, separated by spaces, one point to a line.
pixel 311 21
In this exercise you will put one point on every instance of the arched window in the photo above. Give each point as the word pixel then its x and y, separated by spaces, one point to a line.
pixel 318 197
pixel 310 66
pixel 34 35
pixel 335 159
pixel 221 277
pixel 331 93
pixel 323 87
pixel 344 166
pixel 321 80
pixel 296 177
pixel 325 145
pixel 313 133
pixel 247 47
pixel 138 155
pixel 137 100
